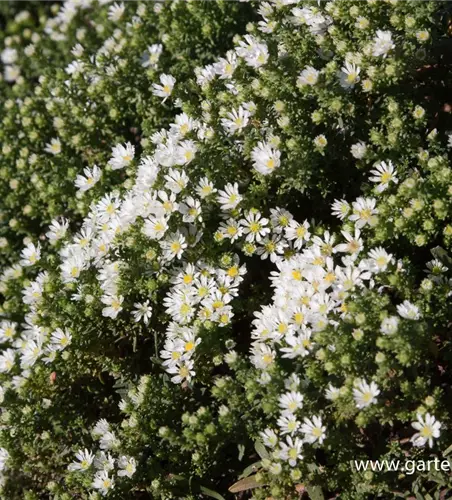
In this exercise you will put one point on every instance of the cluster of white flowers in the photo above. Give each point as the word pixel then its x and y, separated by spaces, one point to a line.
pixel 296 433
pixel 314 276
pixel 103 463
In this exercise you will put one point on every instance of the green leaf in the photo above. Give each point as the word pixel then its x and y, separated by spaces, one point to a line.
pixel 250 469
pixel 260 449
pixel 315 493
pixel 247 483
pixel 447 451
pixel 211 493
pixel 241 451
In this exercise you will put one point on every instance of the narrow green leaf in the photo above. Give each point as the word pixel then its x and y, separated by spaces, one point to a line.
pixel 241 451
pixel 211 493
pixel 250 469
pixel 448 450
pixel 260 449
pixel 247 483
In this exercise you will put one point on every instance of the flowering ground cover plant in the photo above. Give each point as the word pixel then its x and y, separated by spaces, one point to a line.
pixel 226 251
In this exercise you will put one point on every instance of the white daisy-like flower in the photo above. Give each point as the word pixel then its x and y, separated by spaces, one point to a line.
pixel 291 450
pixel 116 11
pixel 408 310
pixel 365 394
pixel 165 88
pixel 53 147
pixel 358 150
pixel 127 466
pixel 85 459
pixel 229 198
pixel 103 482
pixel 389 325
pixel 382 43
pixel 122 156
pixel 313 430
pixel 291 401
pixel 384 173
pixel 349 75
pixel 265 158
pixel 309 76
pixel 428 428
pixel 30 254
pixel 143 311
pixel 364 212
pixel 60 339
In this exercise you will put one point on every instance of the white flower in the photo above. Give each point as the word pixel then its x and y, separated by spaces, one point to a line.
pixel 153 55
pixel 176 181
pixel 60 339
pixel 349 75
pixel 408 310
pixel 384 173
pixel 53 147
pixel 122 156
pixel 108 441
pixel 231 229
pixel 85 459
pixel 225 67
pixel 143 311
pixel 30 254
pixel 382 43
pixel 7 331
pixel 127 465
pixel 182 372
pixel 104 462
pixel 101 427
pixel 205 188
pixel 428 429
pixel 288 424
pixel 173 246
pixel 114 305
pixel 359 150
pixel 4 455
pixel 380 259
pixel 291 450
pixel 291 401
pixel 166 88
pixel 309 76
pixel 254 52
pixel 298 233
pixel 340 208
pixel 103 482
pixel 191 210
pixel 365 394
pixel 332 392
pixel 116 11
pixel 364 212
pixel 269 438
pixel 57 230
pixel 265 158
pixel 7 359
pixel 389 325
pixel 236 120
pixel 9 56
pixel 313 430
pixel 155 228
pixel 72 267
pixel 320 141
pixel 230 197
pixel 254 227
pixel 90 178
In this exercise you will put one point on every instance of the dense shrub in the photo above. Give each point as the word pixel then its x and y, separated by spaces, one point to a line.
pixel 252 284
